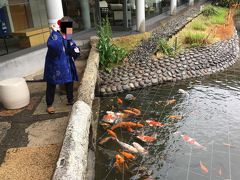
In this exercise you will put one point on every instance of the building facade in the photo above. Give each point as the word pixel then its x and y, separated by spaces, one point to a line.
pixel 24 23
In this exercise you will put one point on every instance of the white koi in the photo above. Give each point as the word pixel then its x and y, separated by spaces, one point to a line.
pixel 127 147
pixel 139 148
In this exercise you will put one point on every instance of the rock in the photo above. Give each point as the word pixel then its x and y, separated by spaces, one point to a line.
pixel 102 90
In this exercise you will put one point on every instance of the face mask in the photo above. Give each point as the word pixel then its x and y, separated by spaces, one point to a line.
pixel 69 32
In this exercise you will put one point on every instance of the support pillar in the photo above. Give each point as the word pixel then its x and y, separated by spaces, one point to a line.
pixel 173 7
pixel 85 13
pixel 140 5
pixel 191 2
pixel 54 11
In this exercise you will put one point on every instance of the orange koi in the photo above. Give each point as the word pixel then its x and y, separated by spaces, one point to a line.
pixel 106 139
pixel 126 125
pixel 129 112
pixel 203 167
pixel 178 117
pixel 120 161
pixel 171 101
pixel 146 138
pixel 154 123
pixel 127 155
pixel 129 129
pixel 111 133
pixel 119 100
pixel 137 111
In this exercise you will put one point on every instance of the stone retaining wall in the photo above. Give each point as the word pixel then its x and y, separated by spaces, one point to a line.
pixel 143 69
pixel 72 161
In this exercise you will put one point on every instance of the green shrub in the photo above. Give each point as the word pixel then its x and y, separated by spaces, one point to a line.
pixel 109 53
pixel 224 3
pixel 221 17
pixel 199 26
pixel 164 47
pixel 195 39
pixel 209 11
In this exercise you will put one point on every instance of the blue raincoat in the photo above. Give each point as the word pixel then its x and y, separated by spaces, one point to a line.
pixel 59 63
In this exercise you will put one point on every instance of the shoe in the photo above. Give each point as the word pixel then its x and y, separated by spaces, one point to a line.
pixel 50 110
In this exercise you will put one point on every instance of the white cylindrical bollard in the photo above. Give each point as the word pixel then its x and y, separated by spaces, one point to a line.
pixel 14 93
pixel 54 11
pixel 191 2
pixel 140 15
pixel 173 7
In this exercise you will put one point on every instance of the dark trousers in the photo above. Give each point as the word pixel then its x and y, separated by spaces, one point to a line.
pixel 50 92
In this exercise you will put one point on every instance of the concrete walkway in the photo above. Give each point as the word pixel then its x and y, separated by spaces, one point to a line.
pixel 30 138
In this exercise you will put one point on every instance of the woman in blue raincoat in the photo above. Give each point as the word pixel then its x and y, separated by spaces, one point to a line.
pixel 59 62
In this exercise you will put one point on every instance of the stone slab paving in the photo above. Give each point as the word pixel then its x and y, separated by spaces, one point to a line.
pixel 30 138
pixel 47 132
pixel 60 102
pixel 4 126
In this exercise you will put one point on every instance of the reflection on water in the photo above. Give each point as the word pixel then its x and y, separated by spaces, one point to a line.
pixel 211 117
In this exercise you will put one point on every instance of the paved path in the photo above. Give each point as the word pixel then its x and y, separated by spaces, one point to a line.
pixel 30 138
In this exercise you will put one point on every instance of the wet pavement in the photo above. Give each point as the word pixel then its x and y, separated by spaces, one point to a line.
pixel 203 144
pixel 30 138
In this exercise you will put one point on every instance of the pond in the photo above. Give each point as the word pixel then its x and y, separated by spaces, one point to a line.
pixel 204 143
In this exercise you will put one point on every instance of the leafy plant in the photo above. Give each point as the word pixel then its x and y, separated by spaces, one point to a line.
pixel 199 26
pixel 195 39
pixel 109 53
pixel 164 47
pixel 209 11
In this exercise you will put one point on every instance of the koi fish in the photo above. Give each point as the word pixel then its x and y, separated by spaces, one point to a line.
pixel 178 117
pixel 112 117
pixel 146 138
pixel 120 163
pixel 130 97
pixel 129 129
pixel 154 123
pixel 111 133
pixel 119 100
pixel 229 145
pixel 127 155
pixel 171 101
pixel 105 125
pixel 137 111
pixel 203 167
pixel 192 141
pixel 126 125
pixel 139 148
pixel 127 147
pixel 106 139
pixel 129 111
pixel 182 91
pixel 220 172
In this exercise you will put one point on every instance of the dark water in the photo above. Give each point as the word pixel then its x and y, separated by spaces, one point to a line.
pixel 211 115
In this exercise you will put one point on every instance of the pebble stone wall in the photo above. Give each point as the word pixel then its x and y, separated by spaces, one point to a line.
pixel 143 70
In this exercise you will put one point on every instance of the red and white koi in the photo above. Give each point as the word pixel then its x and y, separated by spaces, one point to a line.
pixel 190 140
pixel 112 117
pixel 154 123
